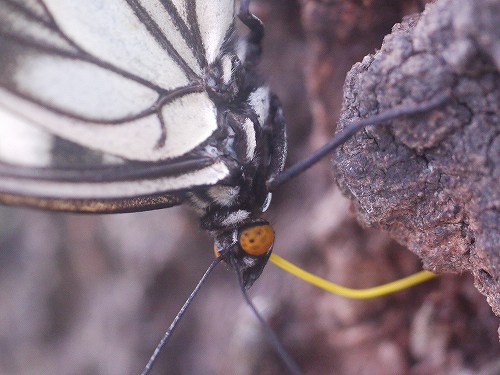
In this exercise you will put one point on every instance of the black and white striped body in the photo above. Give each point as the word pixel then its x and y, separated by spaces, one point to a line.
pixel 247 146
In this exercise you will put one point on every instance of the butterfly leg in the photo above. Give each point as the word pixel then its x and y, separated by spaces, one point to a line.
pixel 278 140
pixel 254 39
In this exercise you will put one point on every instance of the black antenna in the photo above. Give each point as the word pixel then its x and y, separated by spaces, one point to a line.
pixel 177 318
pixel 352 129
pixel 292 367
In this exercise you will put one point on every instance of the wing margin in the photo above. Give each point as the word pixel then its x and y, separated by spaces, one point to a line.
pixel 107 190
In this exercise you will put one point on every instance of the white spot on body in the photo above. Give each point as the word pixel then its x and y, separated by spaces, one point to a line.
pixel 267 202
pixel 235 217
pixel 249 262
pixel 224 195
pixel 198 204
pixel 234 236
pixel 241 50
pixel 227 69
pixel 251 140
pixel 259 101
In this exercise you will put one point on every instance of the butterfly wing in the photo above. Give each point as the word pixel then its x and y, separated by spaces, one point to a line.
pixel 102 105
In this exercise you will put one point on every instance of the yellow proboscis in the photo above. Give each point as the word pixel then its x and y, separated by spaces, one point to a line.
pixel 373 292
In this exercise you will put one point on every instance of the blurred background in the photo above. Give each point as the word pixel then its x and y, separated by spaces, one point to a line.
pixel 93 294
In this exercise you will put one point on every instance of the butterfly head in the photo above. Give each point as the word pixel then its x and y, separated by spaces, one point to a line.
pixel 248 248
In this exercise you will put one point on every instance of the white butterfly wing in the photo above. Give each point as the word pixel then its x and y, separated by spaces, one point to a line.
pixel 112 83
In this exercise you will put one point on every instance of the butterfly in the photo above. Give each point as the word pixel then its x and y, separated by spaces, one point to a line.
pixel 94 112
pixel 93 107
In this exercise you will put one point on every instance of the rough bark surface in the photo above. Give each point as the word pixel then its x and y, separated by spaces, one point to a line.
pixel 93 294
pixel 432 181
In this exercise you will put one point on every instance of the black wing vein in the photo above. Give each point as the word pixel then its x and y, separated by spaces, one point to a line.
pixel 191 38
pixel 162 40
pixel 196 34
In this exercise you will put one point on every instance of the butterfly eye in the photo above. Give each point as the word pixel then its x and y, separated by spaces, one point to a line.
pixel 257 240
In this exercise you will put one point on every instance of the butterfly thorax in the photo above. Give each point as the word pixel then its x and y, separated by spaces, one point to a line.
pixel 243 142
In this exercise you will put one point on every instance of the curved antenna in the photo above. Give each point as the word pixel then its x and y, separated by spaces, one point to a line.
pixel 352 129
pixel 292 367
pixel 178 317
pixel 376 291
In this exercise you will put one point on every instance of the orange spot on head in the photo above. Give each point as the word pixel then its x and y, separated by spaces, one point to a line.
pixel 257 240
